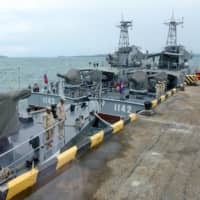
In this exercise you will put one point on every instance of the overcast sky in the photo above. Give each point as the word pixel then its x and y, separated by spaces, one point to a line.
pixel 84 27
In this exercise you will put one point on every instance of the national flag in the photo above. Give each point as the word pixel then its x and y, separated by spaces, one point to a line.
pixel 121 87
pixel 46 80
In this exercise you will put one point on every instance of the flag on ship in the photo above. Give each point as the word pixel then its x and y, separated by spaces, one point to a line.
pixel 46 80
pixel 120 86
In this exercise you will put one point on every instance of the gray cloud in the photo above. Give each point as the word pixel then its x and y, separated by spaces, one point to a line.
pixel 74 27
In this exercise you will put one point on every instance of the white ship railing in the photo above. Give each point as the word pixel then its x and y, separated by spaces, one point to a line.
pixel 16 158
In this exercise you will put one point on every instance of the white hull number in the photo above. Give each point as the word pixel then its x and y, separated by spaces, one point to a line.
pixel 122 108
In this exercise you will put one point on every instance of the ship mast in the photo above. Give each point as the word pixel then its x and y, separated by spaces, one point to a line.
pixel 124 36
pixel 172 32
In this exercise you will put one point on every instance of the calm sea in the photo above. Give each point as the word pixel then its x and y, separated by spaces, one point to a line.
pixel 20 72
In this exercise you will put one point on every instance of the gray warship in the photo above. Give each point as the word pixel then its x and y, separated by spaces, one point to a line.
pixel 97 82
pixel 143 73
pixel 128 81
pixel 23 143
pixel 129 56
pixel 143 77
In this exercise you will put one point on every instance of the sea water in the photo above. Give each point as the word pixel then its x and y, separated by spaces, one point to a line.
pixel 17 73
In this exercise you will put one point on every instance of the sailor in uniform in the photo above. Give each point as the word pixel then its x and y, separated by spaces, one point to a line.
pixel 157 90
pixel 48 124
pixel 61 114
pixel 164 86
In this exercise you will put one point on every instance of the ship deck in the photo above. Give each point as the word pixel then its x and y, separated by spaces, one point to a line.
pixel 20 148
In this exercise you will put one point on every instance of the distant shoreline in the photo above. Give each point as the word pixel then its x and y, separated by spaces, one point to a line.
pixel 97 55
pixel 78 56
pixel 86 56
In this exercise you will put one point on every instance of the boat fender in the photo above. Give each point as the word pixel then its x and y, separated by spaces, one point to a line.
pixel 147 105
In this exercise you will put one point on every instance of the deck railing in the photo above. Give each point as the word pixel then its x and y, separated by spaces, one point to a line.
pixel 33 150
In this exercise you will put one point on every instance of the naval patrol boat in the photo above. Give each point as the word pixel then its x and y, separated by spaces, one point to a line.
pixel 23 142
pixel 128 81
pixel 138 81
pixel 97 83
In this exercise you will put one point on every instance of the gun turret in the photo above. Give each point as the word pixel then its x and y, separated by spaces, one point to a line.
pixel 138 80
pixel 71 77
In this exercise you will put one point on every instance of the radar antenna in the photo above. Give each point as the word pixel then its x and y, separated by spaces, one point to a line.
pixel 124 36
pixel 172 33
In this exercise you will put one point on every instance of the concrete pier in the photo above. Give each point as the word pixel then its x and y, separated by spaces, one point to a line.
pixel 156 158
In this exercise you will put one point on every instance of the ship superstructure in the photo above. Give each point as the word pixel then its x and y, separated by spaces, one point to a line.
pixel 127 55
pixel 174 56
